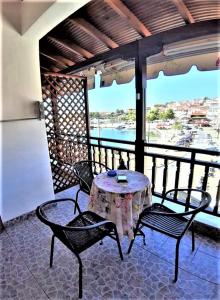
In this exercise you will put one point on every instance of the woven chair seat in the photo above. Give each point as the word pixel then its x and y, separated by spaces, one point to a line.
pixel 172 225
pixel 83 239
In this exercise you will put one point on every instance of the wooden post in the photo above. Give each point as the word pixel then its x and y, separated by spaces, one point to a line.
pixel 140 84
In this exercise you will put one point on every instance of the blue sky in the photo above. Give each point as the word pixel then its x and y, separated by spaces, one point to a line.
pixel 193 85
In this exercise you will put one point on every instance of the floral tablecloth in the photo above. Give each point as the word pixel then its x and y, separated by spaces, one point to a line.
pixel 120 203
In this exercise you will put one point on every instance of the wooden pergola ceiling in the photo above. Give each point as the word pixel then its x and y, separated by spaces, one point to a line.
pixel 103 25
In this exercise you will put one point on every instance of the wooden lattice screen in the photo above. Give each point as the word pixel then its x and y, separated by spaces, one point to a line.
pixel 66 118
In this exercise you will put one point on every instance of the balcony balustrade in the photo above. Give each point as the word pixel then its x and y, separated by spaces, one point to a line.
pixel 166 166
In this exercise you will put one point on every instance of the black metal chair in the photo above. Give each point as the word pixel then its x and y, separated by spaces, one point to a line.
pixel 80 233
pixel 85 171
pixel 162 219
pixel 122 164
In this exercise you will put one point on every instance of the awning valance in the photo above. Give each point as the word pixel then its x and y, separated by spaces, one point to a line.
pixel 176 58
pixel 169 66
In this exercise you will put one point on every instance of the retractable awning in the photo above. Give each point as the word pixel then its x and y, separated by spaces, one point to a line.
pixel 177 58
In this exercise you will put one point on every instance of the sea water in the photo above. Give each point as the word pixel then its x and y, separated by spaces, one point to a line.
pixel 112 133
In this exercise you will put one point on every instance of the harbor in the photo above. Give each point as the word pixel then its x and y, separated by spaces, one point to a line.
pixel 193 136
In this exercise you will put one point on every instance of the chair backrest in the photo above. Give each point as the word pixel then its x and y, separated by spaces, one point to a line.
pixel 85 171
pixel 59 230
pixel 122 165
pixel 193 200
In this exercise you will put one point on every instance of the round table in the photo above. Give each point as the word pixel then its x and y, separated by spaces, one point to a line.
pixel 121 202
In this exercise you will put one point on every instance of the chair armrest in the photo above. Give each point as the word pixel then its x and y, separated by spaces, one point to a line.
pixel 187 190
pixel 107 168
pixel 169 214
pixel 41 215
pixel 57 200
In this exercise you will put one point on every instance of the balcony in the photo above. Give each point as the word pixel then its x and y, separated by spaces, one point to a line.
pixel 147 273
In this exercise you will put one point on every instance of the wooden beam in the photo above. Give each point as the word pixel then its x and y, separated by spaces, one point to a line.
pixel 43 68
pixel 150 45
pixel 130 17
pixel 59 59
pixel 64 60
pixel 71 47
pixel 55 69
pixel 51 68
pixel 51 57
pixel 94 32
pixel 184 11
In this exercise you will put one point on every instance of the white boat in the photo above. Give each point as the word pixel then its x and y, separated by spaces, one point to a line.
pixel 130 126
pixel 120 127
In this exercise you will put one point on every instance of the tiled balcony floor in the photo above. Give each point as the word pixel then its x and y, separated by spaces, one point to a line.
pixel 146 273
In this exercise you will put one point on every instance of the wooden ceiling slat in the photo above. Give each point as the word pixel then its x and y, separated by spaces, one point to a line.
pixel 184 11
pixel 72 47
pixel 127 14
pixel 94 32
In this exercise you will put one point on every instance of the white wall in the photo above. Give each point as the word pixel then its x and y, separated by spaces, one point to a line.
pixel 26 174
pixel 21 85
pixel 25 169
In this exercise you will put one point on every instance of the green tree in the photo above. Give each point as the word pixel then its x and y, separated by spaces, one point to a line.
pixel 92 114
pixel 170 114
pixel 163 116
pixel 153 114
pixel 167 115
pixel 120 111
pixel 95 115
pixel 130 116
pixel 177 126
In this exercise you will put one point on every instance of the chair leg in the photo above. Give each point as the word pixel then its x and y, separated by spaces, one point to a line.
pixel 193 237
pixel 80 280
pixel 177 261
pixel 135 233
pixel 118 242
pixel 76 201
pixel 80 275
pixel 51 250
pixel 143 235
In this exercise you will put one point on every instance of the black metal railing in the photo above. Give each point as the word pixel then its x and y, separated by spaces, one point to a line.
pixel 166 166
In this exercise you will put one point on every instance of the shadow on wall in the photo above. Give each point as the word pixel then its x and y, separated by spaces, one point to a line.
pixel 21 16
